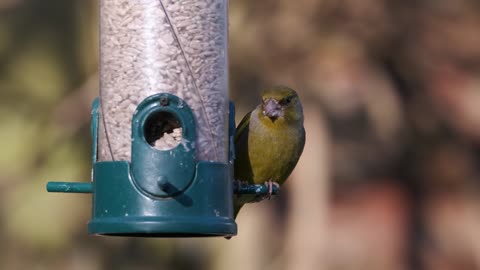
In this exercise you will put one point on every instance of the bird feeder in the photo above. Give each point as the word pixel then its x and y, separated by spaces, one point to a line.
pixel 162 128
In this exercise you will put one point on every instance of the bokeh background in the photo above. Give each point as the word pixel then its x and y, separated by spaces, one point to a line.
pixel 389 177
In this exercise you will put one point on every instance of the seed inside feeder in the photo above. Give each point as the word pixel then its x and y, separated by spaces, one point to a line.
pixel 163 131
pixel 169 140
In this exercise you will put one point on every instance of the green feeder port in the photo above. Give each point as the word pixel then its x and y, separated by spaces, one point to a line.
pixel 161 193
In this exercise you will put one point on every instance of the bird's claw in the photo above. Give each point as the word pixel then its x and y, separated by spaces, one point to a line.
pixel 270 185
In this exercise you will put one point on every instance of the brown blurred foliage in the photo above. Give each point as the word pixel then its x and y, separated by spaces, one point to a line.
pixel 388 180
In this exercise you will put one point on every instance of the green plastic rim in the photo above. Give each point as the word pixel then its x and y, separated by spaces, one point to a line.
pixel 162 227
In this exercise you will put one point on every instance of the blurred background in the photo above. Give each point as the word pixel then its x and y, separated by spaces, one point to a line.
pixel 389 178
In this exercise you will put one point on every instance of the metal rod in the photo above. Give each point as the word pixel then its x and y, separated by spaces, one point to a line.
pixel 69 187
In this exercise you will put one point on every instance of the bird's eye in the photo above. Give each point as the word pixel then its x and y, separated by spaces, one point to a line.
pixel 287 100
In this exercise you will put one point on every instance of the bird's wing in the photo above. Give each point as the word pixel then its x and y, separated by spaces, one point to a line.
pixel 242 167
pixel 242 126
pixel 302 140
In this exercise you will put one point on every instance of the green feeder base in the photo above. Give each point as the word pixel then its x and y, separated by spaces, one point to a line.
pixel 122 208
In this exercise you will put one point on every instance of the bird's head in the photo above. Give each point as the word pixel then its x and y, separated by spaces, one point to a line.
pixel 281 103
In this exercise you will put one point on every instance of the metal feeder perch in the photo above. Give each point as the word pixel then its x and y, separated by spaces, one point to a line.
pixel 163 128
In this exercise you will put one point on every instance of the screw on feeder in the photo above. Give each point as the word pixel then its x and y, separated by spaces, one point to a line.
pixel 164 101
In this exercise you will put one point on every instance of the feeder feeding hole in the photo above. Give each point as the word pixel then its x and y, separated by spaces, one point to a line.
pixel 163 130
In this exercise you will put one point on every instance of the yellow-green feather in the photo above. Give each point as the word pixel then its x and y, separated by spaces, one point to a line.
pixel 268 149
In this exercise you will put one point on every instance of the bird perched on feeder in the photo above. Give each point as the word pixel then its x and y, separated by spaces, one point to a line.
pixel 268 142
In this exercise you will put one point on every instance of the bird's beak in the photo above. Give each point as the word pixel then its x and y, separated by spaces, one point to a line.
pixel 272 109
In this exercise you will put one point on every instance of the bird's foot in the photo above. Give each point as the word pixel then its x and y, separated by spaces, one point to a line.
pixel 269 184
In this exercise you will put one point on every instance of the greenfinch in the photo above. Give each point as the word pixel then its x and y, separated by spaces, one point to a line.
pixel 268 142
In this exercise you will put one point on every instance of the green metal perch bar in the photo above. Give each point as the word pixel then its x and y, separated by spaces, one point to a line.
pixel 70 187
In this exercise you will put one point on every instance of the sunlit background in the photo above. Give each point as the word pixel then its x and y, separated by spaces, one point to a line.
pixel 389 177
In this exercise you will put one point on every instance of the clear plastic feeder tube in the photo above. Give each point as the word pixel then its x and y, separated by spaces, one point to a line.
pixel 163 46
